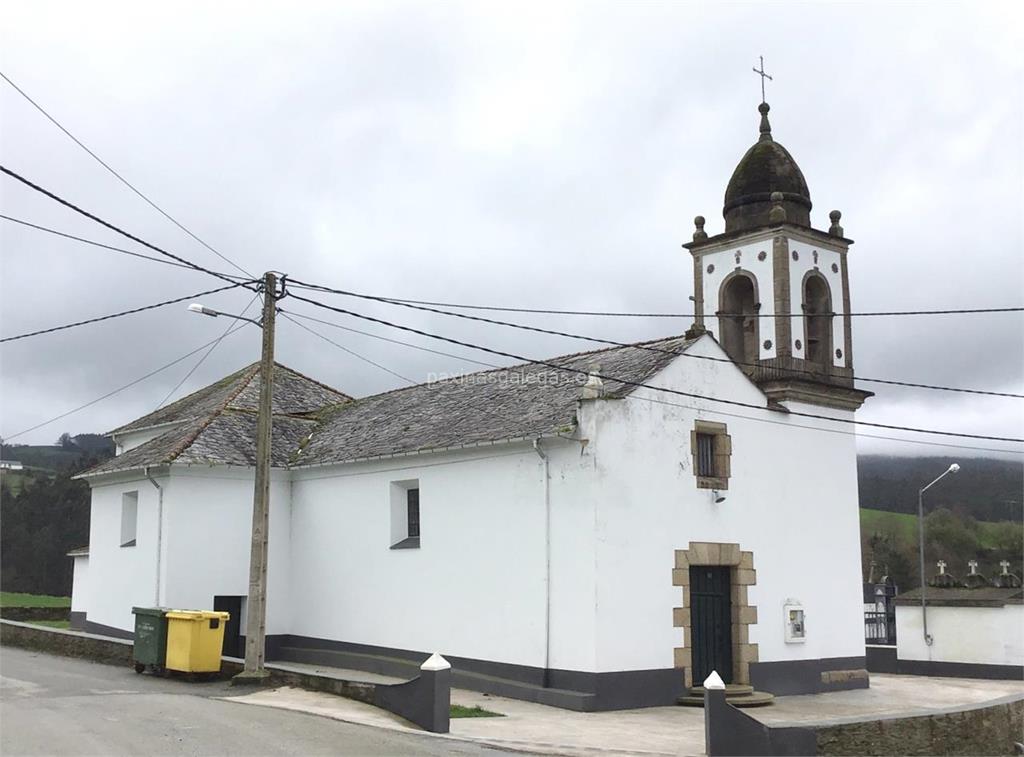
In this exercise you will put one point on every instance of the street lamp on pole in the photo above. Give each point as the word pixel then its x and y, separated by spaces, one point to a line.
pixel 256 603
pixel 920 552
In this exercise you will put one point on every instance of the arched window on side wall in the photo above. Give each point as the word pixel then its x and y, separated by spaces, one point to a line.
pixel 737 318
pixel 818 319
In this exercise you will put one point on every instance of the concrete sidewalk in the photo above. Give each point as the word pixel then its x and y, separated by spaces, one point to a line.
pixel 540 729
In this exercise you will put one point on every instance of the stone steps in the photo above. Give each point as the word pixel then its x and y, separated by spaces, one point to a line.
pixel 736 694
pixel 731 690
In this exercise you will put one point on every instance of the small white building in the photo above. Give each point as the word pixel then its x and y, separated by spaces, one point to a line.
pixel 587 543
pixel 972 631
pixel 10 465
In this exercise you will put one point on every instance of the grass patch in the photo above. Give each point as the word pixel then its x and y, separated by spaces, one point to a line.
pixel 65 624
pixel 903 526
pixel 476 711
pixel 15 599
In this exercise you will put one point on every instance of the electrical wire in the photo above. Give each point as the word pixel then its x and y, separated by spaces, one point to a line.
pixel 611 314
pixel 414 303
pixel 94 243
pixel 715 412
pixel 611 342
pixel 353 353
pixel 640 384
pixel 112 227
pixel 844 432
pixel 388 339
pixel 118 315
pixel 123 180
pixel 121 388
pixel 205 355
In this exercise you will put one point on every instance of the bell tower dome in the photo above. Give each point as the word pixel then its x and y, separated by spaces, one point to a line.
pixel 773 289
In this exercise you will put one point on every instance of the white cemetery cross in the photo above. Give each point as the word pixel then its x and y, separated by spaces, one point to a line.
pixel 941 565
pixel 973 565
pixel 1005 565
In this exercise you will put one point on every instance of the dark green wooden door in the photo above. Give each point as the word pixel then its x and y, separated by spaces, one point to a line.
pixel 711 622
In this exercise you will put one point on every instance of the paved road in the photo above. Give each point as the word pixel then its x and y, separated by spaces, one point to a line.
pixel 62 706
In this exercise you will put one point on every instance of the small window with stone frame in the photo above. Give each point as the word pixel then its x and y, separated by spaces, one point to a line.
pixel 711 449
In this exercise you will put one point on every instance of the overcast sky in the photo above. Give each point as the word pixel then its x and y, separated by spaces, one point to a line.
pixel 526 154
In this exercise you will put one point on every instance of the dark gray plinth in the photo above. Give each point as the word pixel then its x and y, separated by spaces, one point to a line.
pixel 728 732
pixel 425 700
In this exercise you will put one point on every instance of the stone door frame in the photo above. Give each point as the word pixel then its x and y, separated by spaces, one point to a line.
pixel 742 575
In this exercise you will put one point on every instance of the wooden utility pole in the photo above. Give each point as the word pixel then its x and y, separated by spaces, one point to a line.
pixel 256 604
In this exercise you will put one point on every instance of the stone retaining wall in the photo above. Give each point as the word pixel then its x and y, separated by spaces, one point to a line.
pixel 990 729
pixel 35 613
pixel 67 643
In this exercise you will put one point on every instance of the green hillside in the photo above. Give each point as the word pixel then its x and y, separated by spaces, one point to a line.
pixel 903 527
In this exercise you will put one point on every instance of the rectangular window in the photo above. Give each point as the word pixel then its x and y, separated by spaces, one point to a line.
pixel 412 506
pixel 405 514
pixel 711 450
pixel 129 518
pixel 705 455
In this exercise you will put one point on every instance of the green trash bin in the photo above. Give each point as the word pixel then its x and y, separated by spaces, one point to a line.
pixel 150 650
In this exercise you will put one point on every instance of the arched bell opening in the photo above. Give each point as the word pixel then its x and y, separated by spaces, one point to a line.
pixel 737 317
pixel 818 320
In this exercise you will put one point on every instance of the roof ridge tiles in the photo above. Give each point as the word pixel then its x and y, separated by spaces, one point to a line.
pixel 190 438
pixel 302 375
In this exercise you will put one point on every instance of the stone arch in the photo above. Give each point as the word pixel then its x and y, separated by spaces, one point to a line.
pixel 817 306
pixel 738 306
pixel 742 575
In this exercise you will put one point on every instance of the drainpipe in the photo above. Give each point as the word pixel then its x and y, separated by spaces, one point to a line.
pixel 547 560
pixel 159 531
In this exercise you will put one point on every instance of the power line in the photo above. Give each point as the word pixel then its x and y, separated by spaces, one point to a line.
pixel 411 382
pixel 612 314
pixel 206 354
pixel 827 430
pixel 612 342
pixel 118 315
pixel 110 226
pixel 94 243
pixel 388 339
pixel 639 384
pixel 119 389
pixel 123 180
pixel 714 412
pixel 353 353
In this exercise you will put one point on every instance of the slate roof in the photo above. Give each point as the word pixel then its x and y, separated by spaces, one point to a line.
pixel 316 425
pixel 217 424
pixel 522 401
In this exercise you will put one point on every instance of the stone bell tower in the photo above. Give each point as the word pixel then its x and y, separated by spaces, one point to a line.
pixel 774 290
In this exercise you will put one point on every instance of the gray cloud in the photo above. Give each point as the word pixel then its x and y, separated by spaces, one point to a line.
pixel 529 155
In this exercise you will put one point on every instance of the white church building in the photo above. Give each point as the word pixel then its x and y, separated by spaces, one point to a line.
pixel 586 543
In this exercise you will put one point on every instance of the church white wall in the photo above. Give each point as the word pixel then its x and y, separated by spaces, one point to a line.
pixel 725 262
pixel 80 584
pixel 120 577
pixel 985 635
pixel 792 500
pixel 476 585
pixel 207 533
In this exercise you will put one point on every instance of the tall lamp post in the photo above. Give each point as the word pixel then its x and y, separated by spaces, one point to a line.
pixel 256 603
pixel 920 551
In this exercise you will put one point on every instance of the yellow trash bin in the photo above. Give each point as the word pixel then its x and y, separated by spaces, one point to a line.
pixel 195 639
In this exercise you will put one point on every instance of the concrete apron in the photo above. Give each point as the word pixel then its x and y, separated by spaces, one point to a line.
pixel 649 731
